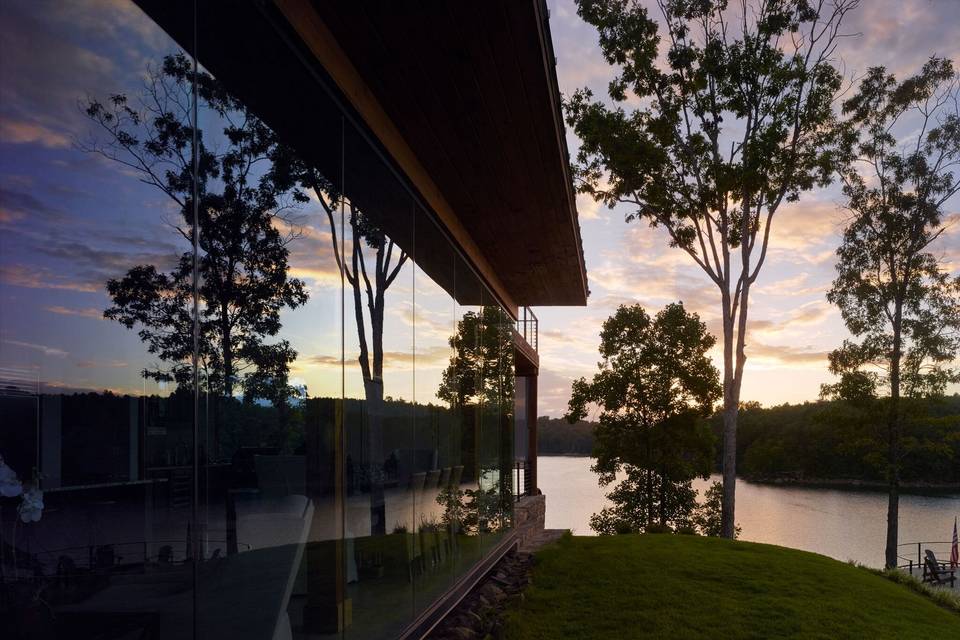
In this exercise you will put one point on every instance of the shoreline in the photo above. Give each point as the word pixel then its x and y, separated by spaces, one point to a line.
pixel 852 484
pixel 856 484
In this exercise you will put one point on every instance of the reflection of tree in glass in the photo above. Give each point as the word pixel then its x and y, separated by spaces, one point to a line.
pixel 481 373
pixel 482 362
pixel 369 287
pixel 364 233
pixel 243 257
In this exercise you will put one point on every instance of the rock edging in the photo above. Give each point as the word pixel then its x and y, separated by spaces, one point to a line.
pixel 481 613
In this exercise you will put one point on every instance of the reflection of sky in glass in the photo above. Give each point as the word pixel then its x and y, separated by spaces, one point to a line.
pixel 71 220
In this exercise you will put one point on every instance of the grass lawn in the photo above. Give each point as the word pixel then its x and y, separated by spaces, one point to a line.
pixel 670 586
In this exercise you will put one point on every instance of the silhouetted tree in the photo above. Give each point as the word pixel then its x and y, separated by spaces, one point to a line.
pixel 654 385
pixel 480 375
pixel 243 257
pixel 368 286
pixel 893 292
pixel 736 118
pixel 480 362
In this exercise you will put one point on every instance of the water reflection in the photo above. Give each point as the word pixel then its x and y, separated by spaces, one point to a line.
pixel 846 525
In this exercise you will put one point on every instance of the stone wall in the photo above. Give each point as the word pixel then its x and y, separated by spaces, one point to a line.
pixel 529 517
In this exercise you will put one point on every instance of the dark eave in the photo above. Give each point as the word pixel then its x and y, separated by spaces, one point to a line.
pixel 461 96
pixel 471 87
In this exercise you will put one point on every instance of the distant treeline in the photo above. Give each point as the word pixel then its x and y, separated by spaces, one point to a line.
pixel 555 437
pixel 814 442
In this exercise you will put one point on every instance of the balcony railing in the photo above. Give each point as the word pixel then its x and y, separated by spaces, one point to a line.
pixel 906 557
pixel 529 327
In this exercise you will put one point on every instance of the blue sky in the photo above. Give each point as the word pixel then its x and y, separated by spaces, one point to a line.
pixel 70 220
pixel 792 325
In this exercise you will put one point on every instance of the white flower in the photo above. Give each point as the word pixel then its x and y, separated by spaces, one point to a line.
pixel 31 507
pixel 10 486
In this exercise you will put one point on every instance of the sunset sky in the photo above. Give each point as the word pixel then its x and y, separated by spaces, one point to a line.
pixel 792 325
pixel 69 221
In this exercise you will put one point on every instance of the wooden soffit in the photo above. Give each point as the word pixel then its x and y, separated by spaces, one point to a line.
pixel 463 96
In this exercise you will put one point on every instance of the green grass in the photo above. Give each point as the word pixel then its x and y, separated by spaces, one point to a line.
pixel 670 586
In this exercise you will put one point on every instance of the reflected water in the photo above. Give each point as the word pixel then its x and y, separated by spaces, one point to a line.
pixel 842 524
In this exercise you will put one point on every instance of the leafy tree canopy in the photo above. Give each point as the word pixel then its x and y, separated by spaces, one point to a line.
pixel 893 290
pixel 481 367
pixel 654 383
pixel 246 179
pixel 718 112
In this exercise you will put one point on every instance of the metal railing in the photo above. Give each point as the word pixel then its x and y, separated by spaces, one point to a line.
pixel 522 479
pixel 940 549
pixel 529 327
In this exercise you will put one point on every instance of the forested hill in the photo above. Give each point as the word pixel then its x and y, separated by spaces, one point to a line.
pixel 831 441
pixel 555 436
pixel 814 442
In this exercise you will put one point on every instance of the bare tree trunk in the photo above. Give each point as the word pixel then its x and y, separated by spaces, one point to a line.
pixel 893 446
pixel 373 390
pixel 226 347
pixel 731 403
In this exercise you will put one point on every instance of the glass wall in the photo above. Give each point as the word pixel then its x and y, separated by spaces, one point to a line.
pixel 248 387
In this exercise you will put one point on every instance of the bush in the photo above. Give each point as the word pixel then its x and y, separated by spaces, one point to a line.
pixel 658 528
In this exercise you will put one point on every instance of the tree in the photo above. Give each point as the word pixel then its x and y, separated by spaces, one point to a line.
pixel 707 516
pixel 480 362
pixel 481 374
pixel 364 233
pixel 736 118
pixel 895 295
pixel 654 384
pixel 243 258
pixel 368 287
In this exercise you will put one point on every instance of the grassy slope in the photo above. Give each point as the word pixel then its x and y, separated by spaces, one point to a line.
pixel 667 586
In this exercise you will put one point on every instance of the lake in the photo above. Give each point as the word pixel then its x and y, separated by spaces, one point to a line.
pixel 842 524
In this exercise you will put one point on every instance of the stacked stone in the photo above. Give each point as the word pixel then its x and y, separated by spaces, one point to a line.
pixel 481 615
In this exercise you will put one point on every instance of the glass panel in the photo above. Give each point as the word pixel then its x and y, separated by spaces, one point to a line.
pixel 272 364
pixel 437 446
pixel 496 429
pixel 96 326
pixel 464 390
pixel 354 427
pixel 379 394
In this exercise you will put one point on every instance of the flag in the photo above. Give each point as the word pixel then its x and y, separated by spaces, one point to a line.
pixel 953 547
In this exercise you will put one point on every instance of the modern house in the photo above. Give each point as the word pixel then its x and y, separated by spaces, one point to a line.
pixel 266 345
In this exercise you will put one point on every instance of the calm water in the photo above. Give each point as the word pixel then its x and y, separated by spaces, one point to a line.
pixel 846 525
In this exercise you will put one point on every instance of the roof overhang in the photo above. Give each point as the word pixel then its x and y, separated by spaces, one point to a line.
pixel 471 90
pixel 463 99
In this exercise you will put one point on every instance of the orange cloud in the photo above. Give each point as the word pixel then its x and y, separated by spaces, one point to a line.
pixel 101 364
pixel 89 312
pixel 33 278
pixel 23 132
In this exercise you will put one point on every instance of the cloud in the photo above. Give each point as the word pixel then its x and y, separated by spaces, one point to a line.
pixel 42 348
pixel 553 393
pixel 429 357
pixel 794 286
pixel 101 364
pixel 13 131
pixel 89 312
pixel 41 278
pixel 805 229
pixel 17 205
pixel 311 252
pixel 787 354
